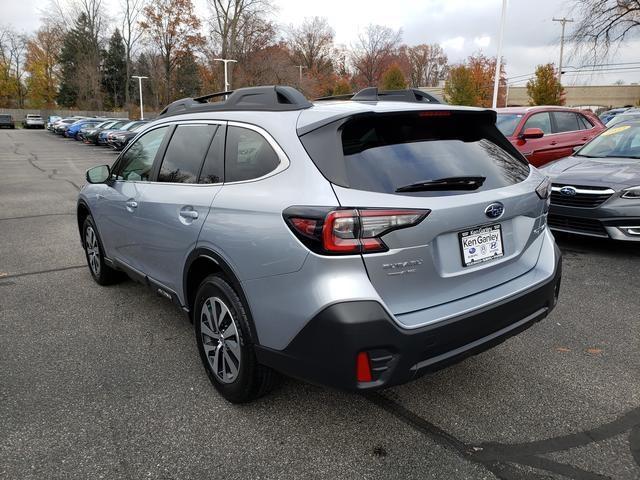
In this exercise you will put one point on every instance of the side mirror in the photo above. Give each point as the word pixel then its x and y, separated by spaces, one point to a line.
pixel 532 133
pixel 98 174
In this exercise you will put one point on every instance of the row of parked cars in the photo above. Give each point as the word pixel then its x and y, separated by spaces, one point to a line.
pixel 113 132
pixel 594 167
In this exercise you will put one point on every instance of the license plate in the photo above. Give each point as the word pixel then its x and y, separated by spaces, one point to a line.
pixel 481 244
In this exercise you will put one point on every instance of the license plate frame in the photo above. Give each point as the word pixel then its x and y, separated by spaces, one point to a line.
pixel 474 252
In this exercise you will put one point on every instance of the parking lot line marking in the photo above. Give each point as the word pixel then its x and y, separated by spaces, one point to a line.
pixel 498 458
pixel 38 216
pixel 26 274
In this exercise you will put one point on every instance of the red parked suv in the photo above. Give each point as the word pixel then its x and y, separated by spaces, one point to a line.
pixel 543 134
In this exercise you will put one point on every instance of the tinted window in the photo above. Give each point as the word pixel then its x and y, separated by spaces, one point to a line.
pixel 585 124
pixel 185 153
pixel 541 121
pixel 213 168
pixel 566 122
pixel 137 162
pixel 248 155
pixel 507 122
pixel 384 153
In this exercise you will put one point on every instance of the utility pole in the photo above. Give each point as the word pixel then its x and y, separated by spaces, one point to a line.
pixel 300 67
pixel 563 21
pixel 140 89
pixel 496 79
pixel 226 61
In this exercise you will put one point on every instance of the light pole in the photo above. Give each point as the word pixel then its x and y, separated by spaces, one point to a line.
pixel 563 21
pixel 496 79
pixel 226 73
pixel 301 67
pixel 140 89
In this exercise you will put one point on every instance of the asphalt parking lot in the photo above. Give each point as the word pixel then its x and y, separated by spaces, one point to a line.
pixel 102 382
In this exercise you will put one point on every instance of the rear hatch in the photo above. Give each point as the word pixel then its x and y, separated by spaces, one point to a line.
pixel 484 216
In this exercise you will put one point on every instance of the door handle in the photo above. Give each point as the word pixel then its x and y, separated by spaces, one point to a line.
pixel 132 204
pixel 553 143
pixel 189 214
pixel 584 139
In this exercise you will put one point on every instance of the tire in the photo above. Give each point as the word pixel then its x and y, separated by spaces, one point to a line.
pixel 102 273
pixel 230 363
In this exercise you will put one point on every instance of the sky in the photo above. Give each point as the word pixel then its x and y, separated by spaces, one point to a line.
pixel 462 27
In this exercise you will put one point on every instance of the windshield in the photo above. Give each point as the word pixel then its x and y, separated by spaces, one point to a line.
pixel 507 123
pixel 619 141
pixel 622 118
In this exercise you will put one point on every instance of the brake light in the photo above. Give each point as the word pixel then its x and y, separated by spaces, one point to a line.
pixel 435 113
pixel 348 231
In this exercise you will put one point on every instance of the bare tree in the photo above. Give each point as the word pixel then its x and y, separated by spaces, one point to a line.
pixel 372 51
pixel 131 34
pixel 605 24
pixel 231 22
pixel 428 64
pixel 172 28
pixel 312 44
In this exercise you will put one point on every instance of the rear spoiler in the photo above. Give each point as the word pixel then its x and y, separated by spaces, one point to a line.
pixel 490 115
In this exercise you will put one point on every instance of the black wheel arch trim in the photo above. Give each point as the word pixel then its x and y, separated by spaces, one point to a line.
pixel 230 275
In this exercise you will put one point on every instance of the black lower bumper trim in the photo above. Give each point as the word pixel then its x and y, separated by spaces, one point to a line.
pixel 325 350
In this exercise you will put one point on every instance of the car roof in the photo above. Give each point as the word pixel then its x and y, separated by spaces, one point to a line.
pixel 536 108
pixel 274 106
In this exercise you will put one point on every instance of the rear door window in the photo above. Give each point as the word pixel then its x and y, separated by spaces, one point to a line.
pixel 584 122
pixel 185 153
pixel 540 120
pixel 565 122
pixel 382 153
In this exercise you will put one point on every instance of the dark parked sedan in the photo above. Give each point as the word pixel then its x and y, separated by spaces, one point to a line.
pixel 118 140
pixel 596 191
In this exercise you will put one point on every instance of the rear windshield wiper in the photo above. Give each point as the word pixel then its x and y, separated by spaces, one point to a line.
pixel 449 183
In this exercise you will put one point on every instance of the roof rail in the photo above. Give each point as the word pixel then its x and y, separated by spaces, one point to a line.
pixel 372 94
pixel 274 98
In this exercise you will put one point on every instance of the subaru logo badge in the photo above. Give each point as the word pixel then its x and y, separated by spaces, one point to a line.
pixel 495 210
pixel 568 191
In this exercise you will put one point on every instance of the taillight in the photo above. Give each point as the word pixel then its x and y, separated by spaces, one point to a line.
pixel 348 231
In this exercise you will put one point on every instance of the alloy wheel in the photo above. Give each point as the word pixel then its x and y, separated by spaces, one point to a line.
pixel 220 339
pixel 93 250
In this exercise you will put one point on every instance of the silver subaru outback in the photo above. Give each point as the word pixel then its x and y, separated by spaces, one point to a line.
pixel 354 243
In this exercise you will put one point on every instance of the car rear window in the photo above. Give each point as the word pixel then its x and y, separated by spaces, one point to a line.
pixel 381 153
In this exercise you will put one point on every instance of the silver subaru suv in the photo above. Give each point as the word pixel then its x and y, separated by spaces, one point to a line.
pixel 354 243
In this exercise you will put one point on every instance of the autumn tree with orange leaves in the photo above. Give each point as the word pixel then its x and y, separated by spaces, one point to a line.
pixel 173 29
pixel 42 65
pixel 471 83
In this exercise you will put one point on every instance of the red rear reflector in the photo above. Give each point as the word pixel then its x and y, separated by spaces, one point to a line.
pixel 435 113
pixel 306 226
pixel 363 368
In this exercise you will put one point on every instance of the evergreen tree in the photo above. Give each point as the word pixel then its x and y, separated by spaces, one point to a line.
pixel 393 79
pixel 459 89
pixel 115 71
pixel 545 89
pixel 80 67
pixel 188 82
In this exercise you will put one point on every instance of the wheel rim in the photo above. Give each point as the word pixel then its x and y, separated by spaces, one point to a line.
pixel 93 251
pixel 220 339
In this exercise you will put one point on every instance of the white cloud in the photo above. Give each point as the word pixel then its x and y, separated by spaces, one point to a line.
pixel 482 41
pixel 456 44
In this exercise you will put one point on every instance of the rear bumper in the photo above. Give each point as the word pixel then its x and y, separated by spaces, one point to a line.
pixel 325 350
